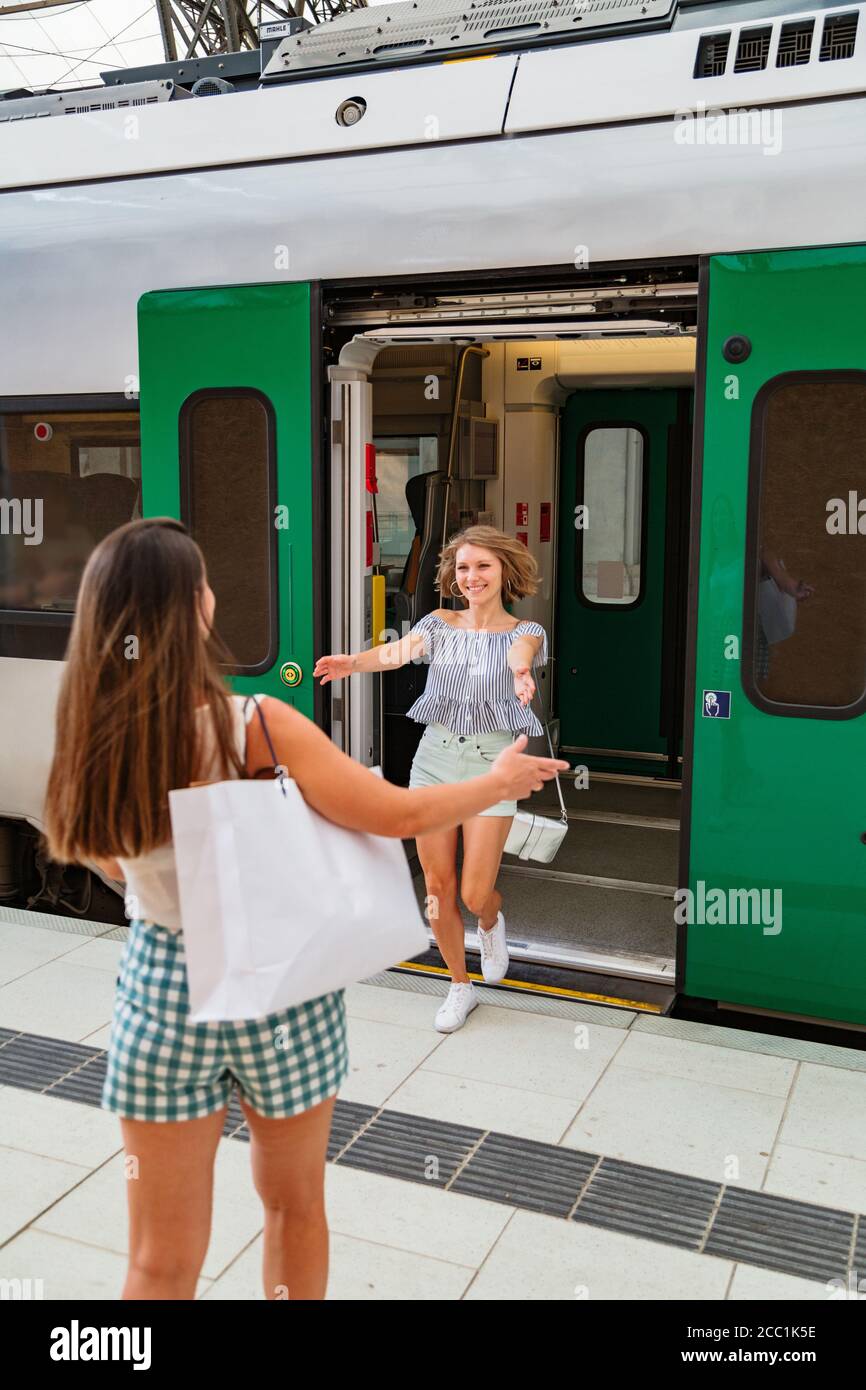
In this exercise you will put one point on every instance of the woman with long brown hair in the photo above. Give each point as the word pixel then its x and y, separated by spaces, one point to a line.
pixel 143 710
pixel 477 699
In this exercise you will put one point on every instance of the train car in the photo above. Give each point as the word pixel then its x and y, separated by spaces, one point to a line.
pixel 593 270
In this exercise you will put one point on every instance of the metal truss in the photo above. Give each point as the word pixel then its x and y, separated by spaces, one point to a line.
pixel 199 28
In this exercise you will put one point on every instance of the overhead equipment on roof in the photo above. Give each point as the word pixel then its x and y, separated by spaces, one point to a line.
pixel 407 32
pixel 83 100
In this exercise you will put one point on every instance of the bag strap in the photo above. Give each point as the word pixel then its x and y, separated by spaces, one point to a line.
pixel 279 769
pixel 563 812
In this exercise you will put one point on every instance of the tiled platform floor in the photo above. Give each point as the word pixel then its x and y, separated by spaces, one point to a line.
pixel 737 1110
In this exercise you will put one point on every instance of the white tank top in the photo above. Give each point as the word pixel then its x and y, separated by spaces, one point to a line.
pixel 151 879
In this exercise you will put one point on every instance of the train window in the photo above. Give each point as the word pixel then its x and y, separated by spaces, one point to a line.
pixel 804 645
pixel 399 458
pixel 609 516
pixel 67 478
pixel 228 501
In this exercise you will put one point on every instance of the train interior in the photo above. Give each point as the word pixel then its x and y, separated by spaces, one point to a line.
pixel 577 438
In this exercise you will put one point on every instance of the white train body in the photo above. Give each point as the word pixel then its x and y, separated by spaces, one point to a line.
pixel 603 151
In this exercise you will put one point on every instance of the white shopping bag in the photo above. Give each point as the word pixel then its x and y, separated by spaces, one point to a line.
pixel 279 905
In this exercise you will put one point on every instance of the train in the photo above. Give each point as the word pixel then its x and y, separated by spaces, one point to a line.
pixel 593 271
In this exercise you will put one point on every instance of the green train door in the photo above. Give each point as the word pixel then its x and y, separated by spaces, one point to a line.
pixel 777 838
pixel 229 444
pixel 622 565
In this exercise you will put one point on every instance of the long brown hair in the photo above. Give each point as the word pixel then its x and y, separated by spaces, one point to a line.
pixel 519 569
pixel 138 666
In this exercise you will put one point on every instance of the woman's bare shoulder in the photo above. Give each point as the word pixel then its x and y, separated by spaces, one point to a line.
pixel 289 731
pixel 284 718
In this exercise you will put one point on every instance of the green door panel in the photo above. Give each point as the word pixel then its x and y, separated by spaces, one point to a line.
pixel 777 801
pixel 258 338
pixel 610 658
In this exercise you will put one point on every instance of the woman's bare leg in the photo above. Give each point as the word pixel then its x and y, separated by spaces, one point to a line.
pixel 288 1162
pixel 169 1184
pixel 438 856
pixel 483 842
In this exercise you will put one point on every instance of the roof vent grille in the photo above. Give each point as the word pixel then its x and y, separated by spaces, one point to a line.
pixel 89 99
pixel 795 43
pixel 211 87
pixel 752 49
pixel 712 55
pixel 837 40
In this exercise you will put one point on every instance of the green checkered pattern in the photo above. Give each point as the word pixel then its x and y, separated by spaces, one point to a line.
pixel 162 1067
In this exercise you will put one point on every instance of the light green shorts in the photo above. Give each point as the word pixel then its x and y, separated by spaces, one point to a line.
pixel 445 757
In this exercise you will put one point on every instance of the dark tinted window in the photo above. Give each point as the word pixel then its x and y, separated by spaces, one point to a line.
pixel 228 501
pixel 806 568
pixel 66 480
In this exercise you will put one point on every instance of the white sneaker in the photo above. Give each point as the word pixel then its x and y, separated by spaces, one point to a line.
pixel 494 952
pixel 458 1005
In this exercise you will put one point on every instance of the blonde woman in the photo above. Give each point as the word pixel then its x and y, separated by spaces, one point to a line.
pixel 477 699
pixel 127 733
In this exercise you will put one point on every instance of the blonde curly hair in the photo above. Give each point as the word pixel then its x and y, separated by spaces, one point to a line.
pixel 519 569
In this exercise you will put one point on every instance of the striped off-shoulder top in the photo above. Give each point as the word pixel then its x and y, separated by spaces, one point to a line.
pixel 470 686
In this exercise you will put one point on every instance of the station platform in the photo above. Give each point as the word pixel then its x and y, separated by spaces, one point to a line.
pixel 550 1150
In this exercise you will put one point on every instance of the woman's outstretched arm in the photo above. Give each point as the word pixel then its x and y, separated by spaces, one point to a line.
pixel 350 795
pixel 389 656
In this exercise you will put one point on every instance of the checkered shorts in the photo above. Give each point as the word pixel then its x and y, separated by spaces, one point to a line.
pixel 162 1067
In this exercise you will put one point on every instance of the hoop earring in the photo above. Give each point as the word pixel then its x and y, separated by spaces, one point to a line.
pixel 451 587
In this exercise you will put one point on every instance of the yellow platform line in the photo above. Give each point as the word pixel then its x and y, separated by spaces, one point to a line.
pixel 529 985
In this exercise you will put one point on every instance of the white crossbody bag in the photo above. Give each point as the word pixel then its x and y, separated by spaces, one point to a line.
pixel 538 837
pixel 777 611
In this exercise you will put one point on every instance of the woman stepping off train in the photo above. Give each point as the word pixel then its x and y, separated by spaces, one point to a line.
pixel 477 698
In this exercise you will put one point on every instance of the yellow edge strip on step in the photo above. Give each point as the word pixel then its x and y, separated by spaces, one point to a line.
pixel 642 1006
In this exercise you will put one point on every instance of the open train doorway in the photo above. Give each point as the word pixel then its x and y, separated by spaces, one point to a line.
pixel 575 436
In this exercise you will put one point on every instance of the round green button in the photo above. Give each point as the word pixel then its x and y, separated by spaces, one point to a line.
pixel 291 673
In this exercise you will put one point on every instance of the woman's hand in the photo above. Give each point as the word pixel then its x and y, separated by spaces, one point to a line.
pixel 797 588
pixel 801 590
pixel 524 685
pixel 520 774
pixel 333 668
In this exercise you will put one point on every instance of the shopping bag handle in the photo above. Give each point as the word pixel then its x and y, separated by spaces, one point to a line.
pixel 279 769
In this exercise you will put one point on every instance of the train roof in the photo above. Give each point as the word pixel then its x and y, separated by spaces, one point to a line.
pixel 412 31
pixel 413 72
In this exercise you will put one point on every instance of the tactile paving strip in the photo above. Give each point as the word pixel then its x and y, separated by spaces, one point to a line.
pixel 34 1063
pixel 859 1261
pixel 525 1173
pixel 754 1228
pixel 777 1233
pixel 349 1119
pixel 668 1207
pixel 412 1147
pixel 235 1125
pixel 85 1083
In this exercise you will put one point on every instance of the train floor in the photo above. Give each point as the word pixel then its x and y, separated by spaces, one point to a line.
pixel 550 1150
pixel 609 891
